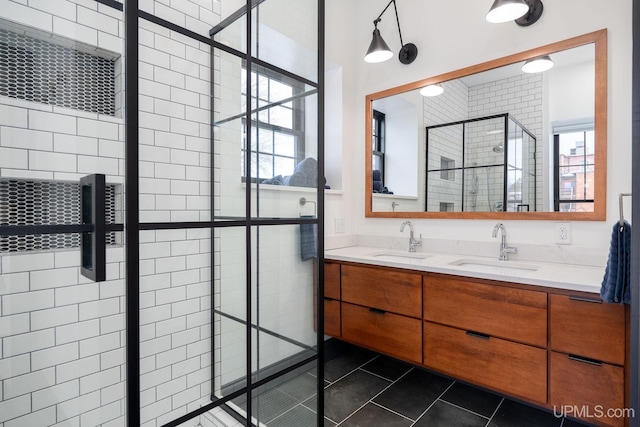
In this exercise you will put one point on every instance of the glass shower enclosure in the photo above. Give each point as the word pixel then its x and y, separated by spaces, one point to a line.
pixel 487 164
pixel 161 213
pixel 267 160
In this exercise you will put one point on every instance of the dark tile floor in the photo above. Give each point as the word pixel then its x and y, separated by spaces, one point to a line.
pixel 364 389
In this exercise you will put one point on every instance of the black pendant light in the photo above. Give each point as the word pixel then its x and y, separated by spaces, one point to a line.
pixel 379 50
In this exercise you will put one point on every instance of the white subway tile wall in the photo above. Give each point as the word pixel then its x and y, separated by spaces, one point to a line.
pixel 62 340
pixel 459 102
pixel 451 106
pixel 508 97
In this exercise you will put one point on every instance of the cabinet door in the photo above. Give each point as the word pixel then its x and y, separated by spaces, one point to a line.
pixel 587 327
pixel 389 290
pixel 586 390
pixel 332 280
pixel 514 314
pixel 388 333
pixel 516 369
pixel 332 318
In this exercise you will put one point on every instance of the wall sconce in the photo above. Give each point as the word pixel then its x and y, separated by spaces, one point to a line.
pixel 523 12
pixel 379 51
pixel 431 90
pixel 538 65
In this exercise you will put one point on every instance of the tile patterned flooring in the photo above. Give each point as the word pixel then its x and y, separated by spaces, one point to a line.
pixel 364 389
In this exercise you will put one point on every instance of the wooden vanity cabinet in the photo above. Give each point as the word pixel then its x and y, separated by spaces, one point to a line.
pixel 514 314
pixel 332 315
pixel 587 327
pixel 541 345
pixel 505 366
pixel 490 335
pixel 394 291
pixel 392 334
pixel 381 310
pixel 586 356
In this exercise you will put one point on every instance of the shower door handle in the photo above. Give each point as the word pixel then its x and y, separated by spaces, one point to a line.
pixel 93 247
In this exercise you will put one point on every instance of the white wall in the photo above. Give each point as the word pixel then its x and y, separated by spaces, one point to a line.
pixel 401 144
pixel 453 35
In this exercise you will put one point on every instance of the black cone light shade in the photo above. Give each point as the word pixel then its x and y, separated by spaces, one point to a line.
pixel 378 50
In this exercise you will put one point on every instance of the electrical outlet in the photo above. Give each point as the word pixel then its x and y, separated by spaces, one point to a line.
pixel 339 225
pixel 563 233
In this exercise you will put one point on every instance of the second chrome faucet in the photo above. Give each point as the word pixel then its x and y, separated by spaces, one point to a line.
pixel 504 249
pixel 413 242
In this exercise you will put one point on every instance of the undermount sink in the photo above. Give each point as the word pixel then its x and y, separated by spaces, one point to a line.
pixel 399 256
pixel 495 266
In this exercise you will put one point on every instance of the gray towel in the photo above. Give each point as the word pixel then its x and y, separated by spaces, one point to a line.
pixel 616 281
pixel 308 240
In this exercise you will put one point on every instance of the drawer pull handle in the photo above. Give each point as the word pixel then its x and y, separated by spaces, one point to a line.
pixel 585 299
pixel 585 360
pixel 377 311
pixel 478 335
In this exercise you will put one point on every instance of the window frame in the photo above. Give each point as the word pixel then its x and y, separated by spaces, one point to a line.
pixel 557 201
pixel 378 141
pixel 297 122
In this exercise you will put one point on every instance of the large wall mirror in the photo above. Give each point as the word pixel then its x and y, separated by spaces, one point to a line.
pixel 494 141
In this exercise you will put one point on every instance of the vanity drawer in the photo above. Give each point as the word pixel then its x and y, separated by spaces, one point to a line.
pixel 515 314
pixel 587 327
pixel 332 317
pixel 389 290
pixel 388 333
pixel 586 387
pixel 332 280
pixel 507 367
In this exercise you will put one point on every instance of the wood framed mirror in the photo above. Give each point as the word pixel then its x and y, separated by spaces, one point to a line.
pixel 474 153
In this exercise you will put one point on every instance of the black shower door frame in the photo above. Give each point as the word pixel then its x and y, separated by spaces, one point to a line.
pixel 133 227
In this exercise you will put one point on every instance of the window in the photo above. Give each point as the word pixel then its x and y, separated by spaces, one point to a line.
pixel 277 127
pixel 574 169
pixel 377 143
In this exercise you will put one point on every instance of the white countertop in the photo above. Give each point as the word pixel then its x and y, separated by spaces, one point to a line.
pixel 562 276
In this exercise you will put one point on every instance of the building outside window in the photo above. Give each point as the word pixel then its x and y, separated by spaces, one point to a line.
pixel 574 170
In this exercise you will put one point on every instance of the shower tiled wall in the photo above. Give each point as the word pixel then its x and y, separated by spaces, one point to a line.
pixel 521 96
pixel 451 106
pixel 459 102
pixel 62 340
pixel 62 337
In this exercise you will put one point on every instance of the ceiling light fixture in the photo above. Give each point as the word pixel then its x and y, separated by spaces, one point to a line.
pixel 523 12
pixel 431 90
pixel 538 65
pixel 379 51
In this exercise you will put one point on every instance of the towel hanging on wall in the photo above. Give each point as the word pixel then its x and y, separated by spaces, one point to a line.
pixel 308 239
pixel 616 281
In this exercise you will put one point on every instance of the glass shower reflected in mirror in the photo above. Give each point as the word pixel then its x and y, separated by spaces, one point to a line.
pixel 486 164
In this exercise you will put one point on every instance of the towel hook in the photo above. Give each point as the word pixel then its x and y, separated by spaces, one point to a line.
pixel 304 201
pixel 620 198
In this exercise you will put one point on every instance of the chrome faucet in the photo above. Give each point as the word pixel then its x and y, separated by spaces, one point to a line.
pixel 413 242
pixel 504 249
